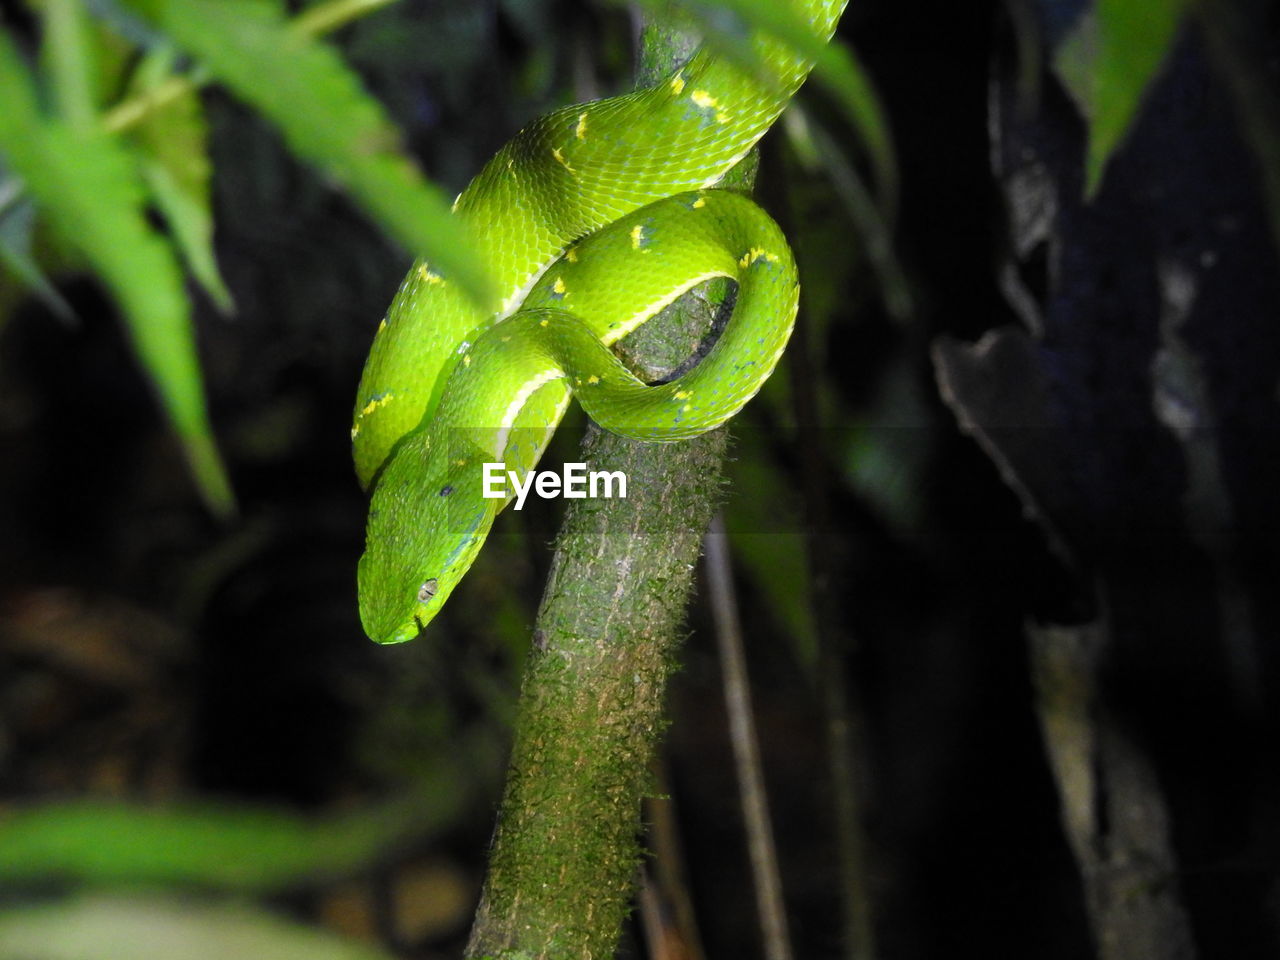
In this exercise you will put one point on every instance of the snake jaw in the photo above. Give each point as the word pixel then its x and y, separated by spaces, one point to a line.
pixel 406 633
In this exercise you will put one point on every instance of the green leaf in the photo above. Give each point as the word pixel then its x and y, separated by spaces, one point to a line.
pixel 17 219
pixel 101 927
pixel 88 189
pixel 191 221
pixel 316 101
pixel 1107 65
pixel 173 139
pixel 817 152
pixel 766 530
pixel 241 848
pixel 67 56
pixel 329 15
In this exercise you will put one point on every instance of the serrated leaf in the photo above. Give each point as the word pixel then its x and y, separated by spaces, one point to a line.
pixel 1108 63
pixel 88 189
pixel 191 224
pixel 317 103
pixel 173 139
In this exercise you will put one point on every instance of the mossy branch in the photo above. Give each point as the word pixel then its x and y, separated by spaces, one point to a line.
pixel 564 860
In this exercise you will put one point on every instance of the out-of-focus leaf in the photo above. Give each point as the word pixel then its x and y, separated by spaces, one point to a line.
pixel 17 218
pixel 236 847
pixel 87 188
pixel 816 151
pixel 1107 64
pixel 98 927
pixel 191 221
pixel 308 92
pixel 67 60
pixel 325 17
pixel 529 17
pixel 174 141
pixel 126 24
pixel 232 848
pixel 770 544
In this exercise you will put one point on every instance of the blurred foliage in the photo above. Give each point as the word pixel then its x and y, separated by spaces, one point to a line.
pixel 1109 62
pixel 89 187
pixel 94 185
pixel 143 928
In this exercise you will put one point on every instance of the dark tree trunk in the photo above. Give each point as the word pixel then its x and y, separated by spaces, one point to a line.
pixel 1134 412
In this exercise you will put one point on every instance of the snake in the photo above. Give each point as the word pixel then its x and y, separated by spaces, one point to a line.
pixel 589 221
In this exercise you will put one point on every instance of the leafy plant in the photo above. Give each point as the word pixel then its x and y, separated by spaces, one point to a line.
pixel 94 171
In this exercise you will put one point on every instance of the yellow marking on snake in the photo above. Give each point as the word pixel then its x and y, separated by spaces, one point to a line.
pixel 707 102
pixel 699 203
pixel 581 129
pixel 377 402
pixel 612 336
pixel 517 403
pixel 428 275
pixel 757 253
pixel 571 254
pixel 559 286
pixel 682 394
pixel 677 84
pixel 555 152
pixel 637 236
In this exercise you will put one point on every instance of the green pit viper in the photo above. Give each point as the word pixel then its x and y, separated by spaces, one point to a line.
pixel 590 220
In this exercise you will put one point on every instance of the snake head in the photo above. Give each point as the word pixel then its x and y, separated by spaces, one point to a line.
pixel 427 522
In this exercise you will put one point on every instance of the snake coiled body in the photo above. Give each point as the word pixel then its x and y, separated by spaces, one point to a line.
pixel 590 220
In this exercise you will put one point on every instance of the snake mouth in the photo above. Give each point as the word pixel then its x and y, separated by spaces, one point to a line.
pixel 406 632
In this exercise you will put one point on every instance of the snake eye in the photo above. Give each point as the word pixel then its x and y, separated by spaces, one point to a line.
pixel 428 590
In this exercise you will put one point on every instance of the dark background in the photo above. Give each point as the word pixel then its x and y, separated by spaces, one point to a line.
pixel 149 652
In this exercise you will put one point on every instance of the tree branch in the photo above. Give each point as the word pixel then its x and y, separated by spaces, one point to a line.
pixel 565 854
